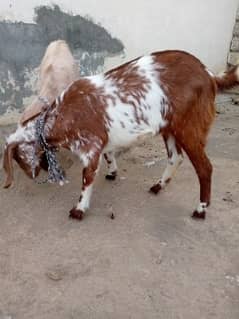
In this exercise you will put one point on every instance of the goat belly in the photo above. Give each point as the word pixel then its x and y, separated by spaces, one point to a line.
pixel 127 122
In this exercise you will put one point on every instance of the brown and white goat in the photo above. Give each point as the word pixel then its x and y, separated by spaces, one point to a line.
pixel 169 93
pixel 57 71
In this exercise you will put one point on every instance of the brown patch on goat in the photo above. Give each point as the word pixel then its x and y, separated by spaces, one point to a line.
pixel 133 84
pixel 191 96
pixel 228 80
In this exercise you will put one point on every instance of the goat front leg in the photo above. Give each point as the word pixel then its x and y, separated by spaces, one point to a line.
pixel 88 176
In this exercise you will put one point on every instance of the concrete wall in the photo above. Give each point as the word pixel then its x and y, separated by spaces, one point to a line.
pixel 233 57
pixel 203 28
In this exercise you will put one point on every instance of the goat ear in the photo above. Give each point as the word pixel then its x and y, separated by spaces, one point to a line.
pixel 7 163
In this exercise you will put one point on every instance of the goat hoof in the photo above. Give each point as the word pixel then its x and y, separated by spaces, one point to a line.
pixel 197 215
pixel 155 189
pixel 76 213
pixel 111 176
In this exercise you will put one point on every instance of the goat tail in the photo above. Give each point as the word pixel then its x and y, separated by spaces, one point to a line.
pixel 228 79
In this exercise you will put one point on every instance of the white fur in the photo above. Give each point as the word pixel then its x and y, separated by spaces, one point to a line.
pixel 62 95
pixel 23 136
pixel 83 205
pixel 173 162
pixel 86 157
pixel 23 133
pixel 29 157
pixel 120 112
pixel 201 207
pixel 112 166
pixel 210 73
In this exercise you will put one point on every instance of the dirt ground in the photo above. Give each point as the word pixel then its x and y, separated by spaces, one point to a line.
pixel 151 261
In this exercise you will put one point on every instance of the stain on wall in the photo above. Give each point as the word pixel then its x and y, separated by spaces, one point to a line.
pixel 22 47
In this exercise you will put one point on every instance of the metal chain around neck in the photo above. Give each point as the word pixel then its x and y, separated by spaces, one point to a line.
pixel 55 173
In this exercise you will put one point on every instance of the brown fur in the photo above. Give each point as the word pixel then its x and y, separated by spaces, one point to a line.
pixel 228 80
pixel 8 164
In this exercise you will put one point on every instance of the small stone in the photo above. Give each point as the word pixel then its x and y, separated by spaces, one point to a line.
pixel 56 274
pixel 228 197
pixel 112 216
pixel 149 164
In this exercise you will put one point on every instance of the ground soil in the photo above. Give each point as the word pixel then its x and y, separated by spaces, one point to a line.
pixel 151 261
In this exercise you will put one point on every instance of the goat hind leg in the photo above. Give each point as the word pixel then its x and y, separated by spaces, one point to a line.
pixel 175 158
pixel 112 165
pixel 203 168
